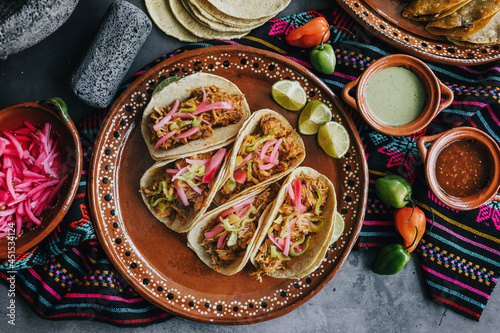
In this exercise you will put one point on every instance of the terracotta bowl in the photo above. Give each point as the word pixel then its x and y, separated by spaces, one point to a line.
pixel 38 113
pixel 440 141
pixel 433 91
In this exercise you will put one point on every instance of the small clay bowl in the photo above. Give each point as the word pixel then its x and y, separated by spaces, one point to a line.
pixel 439 141
pixel 433 91
pixel 38 113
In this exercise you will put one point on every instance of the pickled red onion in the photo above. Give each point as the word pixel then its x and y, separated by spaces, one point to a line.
pixel 213 106
pixel 220 241
pixel 181 193
pixel 165 119
pixel 164 138
pixel 244 161
pixel 213 165
pixel 187 133
pixel 286 247
pixel 266 166
pixel 298 196
pixel 266 147
pixel 240 177
pixel 214 232
pixel 275 241
pixel 274 154
pixel 31 177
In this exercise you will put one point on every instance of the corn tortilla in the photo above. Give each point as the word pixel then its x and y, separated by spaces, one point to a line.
pixel 162 16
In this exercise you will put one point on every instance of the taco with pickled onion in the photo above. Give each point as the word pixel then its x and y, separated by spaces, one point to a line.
pixel 224 238
pixel 178 192
pixel 297 231
pixel 266 150
pixel 195 113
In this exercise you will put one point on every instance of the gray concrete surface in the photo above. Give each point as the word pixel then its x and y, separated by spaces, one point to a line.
pixel 356 300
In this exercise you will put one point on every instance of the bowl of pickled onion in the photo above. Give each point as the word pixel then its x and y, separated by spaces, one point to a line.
pixel 40 169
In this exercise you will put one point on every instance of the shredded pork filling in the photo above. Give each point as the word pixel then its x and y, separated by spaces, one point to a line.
pixel 216 117
pixel 226 255
pixel 288 152
pixel 266 264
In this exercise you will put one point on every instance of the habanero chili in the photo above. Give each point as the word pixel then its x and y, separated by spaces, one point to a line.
pixel 462 168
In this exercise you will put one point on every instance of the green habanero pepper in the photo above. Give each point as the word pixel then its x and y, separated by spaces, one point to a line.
pixel 393 190
pixel 323 57
pixel 391 259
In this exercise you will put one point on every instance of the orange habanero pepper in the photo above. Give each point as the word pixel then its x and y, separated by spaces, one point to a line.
pixel 408 224
pixel 310 34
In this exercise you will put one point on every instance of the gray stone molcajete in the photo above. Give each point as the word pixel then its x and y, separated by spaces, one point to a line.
pixel 122 33
pixel 23 23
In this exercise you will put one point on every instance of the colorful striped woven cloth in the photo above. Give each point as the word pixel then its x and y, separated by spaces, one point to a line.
pixel 68 275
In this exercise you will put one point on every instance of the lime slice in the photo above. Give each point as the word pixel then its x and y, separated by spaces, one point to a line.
pixel 165 83
pixel 289 95
pixel 334 139
pixel 338 227
pixel 314 114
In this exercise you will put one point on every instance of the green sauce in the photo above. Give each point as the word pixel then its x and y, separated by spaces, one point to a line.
pixel 395 96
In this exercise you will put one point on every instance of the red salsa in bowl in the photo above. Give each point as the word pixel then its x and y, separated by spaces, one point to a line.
pixel 462 168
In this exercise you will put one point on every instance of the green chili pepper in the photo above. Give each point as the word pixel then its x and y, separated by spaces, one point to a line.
pixel 197 121
pixel 192 107
pixel 393 190
pixel 299 242
pixel 277 221
pixel 181 124
pixel 232 183
pixel 197 169
pixel 284 231
pixel 277 254
pixel 256 142
pixel 156 202
pixel 391 259
pixel 323 57
pixel 316 227
pixel 162 206
pixel 249 170
pixel 317 208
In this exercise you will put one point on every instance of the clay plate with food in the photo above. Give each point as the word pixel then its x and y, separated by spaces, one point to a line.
pixel 385 19
pixel 155 260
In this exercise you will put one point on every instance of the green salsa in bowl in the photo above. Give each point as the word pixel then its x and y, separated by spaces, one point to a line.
pixel 398 95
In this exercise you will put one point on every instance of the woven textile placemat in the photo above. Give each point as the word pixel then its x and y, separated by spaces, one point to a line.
pixel 68 276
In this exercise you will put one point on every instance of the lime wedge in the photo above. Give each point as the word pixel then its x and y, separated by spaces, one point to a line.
pixel 165 83
pixel 314 114
pixel 334 139
pixel 338 227
pixel 289 95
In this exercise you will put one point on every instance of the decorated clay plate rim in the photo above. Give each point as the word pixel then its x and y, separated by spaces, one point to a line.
pixel 164 293
pixel 439 50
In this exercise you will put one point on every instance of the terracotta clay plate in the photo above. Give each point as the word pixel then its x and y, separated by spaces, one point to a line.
pixel 384 19
pixel 156 260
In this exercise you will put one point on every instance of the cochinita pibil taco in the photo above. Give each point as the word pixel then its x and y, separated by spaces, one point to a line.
pixel 267 149
pixel 178 192
pixel 196 113
pixel 225 237
pixel 297 230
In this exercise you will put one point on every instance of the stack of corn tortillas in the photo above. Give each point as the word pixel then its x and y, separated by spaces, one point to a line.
pixel 470 23
pixel 195 20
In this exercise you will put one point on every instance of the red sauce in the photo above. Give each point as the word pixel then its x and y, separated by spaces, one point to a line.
pixel 462 168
